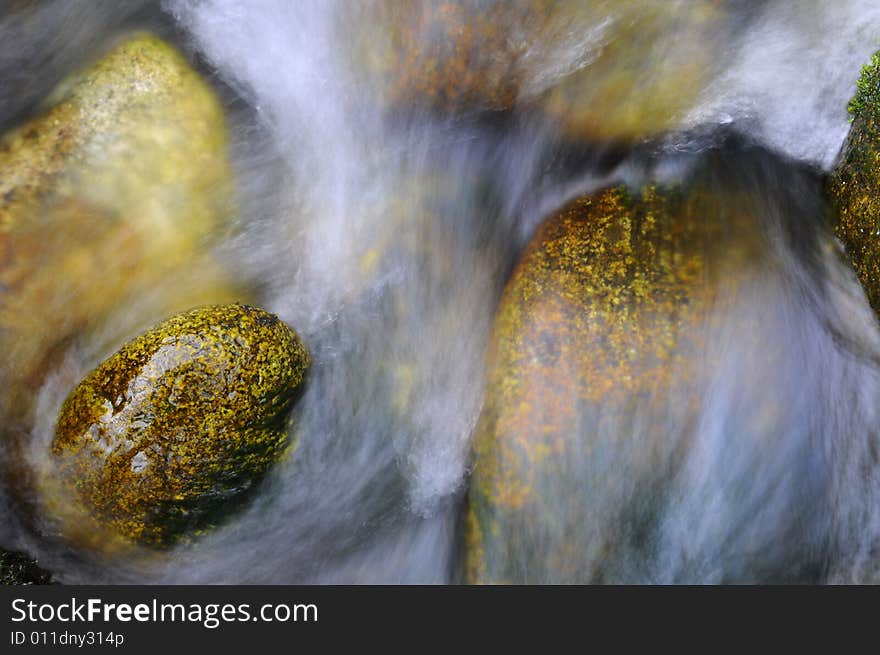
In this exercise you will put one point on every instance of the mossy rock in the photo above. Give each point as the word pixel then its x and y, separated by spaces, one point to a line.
pixel 854 185
pixel 138 130
pixel 109 199
pixel 643 68
pixel 177 424
pixel 18 569
pixel 605 313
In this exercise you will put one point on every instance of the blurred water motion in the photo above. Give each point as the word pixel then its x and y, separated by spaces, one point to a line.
pixel 392 163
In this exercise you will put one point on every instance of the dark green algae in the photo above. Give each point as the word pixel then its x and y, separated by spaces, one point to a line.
pixel 169 432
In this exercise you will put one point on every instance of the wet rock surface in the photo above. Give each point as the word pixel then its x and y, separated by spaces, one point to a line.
pixel 109 199
pixel 179 423
pixel 610 339
pixel 854 185
pixel 602 309
pixel 17 568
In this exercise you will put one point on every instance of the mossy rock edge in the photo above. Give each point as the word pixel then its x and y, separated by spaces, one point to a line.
pixel 854 185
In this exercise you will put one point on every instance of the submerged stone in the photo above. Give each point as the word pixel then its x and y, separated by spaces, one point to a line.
pixel 593 380
pixel 182 420
pixel 645 68
pixel 108 199
pixel 137 133
pixel 854 185
pixel 600 70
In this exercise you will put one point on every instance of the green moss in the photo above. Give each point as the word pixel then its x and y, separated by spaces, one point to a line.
pixel 867 88
pixel 180 421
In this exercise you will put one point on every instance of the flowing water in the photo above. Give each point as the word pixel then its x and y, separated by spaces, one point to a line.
pixel 384 236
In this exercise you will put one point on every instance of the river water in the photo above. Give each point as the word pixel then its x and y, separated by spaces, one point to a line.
pixel 384 235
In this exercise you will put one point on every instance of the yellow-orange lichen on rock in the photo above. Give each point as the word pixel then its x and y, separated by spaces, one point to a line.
pixel 108 198
pixel 175 425
pixel 604 315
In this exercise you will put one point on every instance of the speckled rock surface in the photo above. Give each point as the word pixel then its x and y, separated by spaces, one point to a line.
pixel 180 421
pixel 602 316
pixel 854 185
pixel 117 183
pixel 138 113
pixel 109 199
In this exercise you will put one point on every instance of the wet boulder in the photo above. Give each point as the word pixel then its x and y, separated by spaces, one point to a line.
pixel 599 70
pixel 854 185
pixel 109 200
pixel 604 343
pixel 174 427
